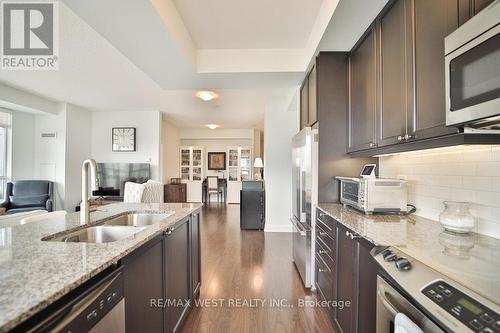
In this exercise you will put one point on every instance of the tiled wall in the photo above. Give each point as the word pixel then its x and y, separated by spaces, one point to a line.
pixel 465 173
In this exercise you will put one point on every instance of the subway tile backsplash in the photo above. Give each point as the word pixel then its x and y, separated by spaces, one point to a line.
pixel 465 173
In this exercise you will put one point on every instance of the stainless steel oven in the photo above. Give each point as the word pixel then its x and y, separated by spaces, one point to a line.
pixel 416 298
pixel 472 58
pixel 390 302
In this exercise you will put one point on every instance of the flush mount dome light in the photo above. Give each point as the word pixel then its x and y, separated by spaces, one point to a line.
pixel 212 126
pixel 206 95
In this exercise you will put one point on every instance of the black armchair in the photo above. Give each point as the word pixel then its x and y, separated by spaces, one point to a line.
pixel 28 195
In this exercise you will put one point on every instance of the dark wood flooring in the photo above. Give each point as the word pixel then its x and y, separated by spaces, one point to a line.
pixel 245 265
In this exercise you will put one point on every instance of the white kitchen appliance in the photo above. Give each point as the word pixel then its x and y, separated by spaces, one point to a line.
pixel 472 59
pixel 373 195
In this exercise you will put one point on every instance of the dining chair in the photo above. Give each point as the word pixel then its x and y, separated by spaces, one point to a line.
pixel 213 187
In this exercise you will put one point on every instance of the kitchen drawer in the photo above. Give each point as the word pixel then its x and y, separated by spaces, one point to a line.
pixel 325 252
pixel 324 238
pixel 324 278
pixel 326 222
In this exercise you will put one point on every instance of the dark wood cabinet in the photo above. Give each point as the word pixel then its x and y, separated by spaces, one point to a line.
pixel 469 8
pixel 325 258
pixel 312 100
pixel 177 266
pixel 141 288
pixel 362 94
pixel 167 271
pixel 346 291
pixel 332 108
pixel 174 193
pixel 366 279
pixel 195 248
pixel 346 272
pixel 432 21
pixel 304 103
pixel 480 5
pixel 308 100
pixel 395 71
pixel 405 86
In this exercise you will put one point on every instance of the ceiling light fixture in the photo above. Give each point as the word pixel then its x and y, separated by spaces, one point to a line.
pixel 212 126
pixel 206 95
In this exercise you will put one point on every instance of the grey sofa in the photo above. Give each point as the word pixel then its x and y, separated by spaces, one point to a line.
pixel 28 195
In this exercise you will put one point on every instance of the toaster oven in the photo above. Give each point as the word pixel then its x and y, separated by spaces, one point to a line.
pixel 374 195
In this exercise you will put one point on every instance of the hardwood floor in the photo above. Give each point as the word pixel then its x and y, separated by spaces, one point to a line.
pixel 240 266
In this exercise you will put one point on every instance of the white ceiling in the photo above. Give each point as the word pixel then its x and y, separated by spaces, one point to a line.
pixel 233 24
pixel 137 55
pixel 348 23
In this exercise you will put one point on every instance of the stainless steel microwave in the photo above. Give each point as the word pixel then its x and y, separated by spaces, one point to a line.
pixel 472 58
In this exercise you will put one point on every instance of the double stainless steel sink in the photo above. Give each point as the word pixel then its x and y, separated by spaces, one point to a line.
pixel 114 229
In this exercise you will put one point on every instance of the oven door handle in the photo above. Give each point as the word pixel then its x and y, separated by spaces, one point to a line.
pixel 387 304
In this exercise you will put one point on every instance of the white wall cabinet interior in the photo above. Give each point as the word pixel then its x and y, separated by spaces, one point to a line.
pixel 239 168
pixel 192 171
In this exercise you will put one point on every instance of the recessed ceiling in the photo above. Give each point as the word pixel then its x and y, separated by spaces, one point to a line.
pixel 236 24
pixel 107 63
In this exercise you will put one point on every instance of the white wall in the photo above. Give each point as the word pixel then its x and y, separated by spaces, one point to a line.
pixel 280 125
pixel 23 141
pixel 467 173
pixel 170 151
pixel 78 138
pixel 257 143
pixel 148 125
pixel 16 99
pixel 50 153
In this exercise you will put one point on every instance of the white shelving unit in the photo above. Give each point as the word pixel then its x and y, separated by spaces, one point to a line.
pixel 192 171
pixel 239 168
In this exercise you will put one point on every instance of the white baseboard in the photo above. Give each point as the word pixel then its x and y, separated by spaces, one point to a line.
pixel 278 228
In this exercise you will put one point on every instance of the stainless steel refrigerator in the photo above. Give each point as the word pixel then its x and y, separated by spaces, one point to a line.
pixel 305 199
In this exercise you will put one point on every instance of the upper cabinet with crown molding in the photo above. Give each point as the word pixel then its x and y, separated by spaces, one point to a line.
pixel 308 100
pixel 397 77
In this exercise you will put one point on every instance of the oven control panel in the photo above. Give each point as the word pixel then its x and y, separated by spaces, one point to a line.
pixel 470 312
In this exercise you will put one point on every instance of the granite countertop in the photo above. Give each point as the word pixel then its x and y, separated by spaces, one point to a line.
pixel 35 273
pixel 472 260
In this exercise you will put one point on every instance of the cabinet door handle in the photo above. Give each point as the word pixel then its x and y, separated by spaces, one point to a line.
pixel 400 138
pixel 321 233
pixel 409 136
pixel 323 270
pixel 323 252
pixel 351 235
pixel 372 144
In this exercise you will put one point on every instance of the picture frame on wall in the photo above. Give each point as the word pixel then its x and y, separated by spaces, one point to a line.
pixel 123 139
pixel 217 161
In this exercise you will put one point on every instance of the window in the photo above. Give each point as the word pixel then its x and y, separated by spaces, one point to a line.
pixel 3 160
pixel 5 125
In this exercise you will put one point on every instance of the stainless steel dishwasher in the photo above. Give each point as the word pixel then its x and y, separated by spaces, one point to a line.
pixel 99 308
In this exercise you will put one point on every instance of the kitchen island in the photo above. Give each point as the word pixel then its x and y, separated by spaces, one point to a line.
pixel 36 273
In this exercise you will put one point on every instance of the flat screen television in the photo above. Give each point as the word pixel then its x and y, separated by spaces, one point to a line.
pixel 112 177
